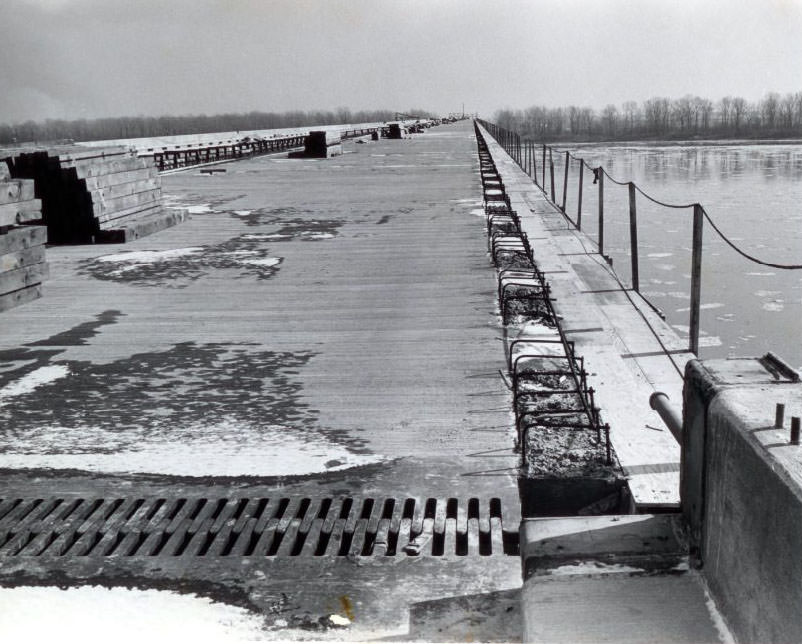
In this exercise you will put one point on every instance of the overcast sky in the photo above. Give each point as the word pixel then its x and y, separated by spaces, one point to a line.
pixel 89 58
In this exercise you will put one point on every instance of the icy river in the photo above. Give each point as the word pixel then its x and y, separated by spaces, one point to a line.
pixel 753 193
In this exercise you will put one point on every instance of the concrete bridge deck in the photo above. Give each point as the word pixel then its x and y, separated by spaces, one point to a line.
pixel 319 339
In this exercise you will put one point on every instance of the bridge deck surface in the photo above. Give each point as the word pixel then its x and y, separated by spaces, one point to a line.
pixel 318 329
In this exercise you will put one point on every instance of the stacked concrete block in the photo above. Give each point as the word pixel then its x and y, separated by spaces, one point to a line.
pixel 22 247
pixel 94 194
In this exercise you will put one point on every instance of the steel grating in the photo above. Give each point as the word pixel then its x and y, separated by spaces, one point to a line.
pixel 253 527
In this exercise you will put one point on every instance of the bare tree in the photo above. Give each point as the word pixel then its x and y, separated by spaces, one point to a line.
pixel 769 108
pixel 681 110
pixel 739 107
pixel 705 106
pixel 586 119
pixel 630 109
pixel 725 111
pixel 657 113
pixel 798 110
pixel 610 120
pixel 786 111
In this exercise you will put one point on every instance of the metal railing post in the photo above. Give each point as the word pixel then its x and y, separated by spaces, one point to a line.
pixel 529 159
pixel 565 179
pixel 534 163
pixel 526 158
pixel 543 181
pixel 696 277
pixel 601 210
pixel 579 197
pixel 633 236
pixel 551 174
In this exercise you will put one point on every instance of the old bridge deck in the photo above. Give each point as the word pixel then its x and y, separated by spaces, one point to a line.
pixel 321 330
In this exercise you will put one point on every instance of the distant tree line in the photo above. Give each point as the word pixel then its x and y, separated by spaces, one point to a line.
pixel 774 116
pixel 129 127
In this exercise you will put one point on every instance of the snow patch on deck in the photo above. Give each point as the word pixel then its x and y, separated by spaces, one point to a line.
pixel 96 614
pixel 199 209
pixel 135 257
pixel 29 382
pixel 262 261
pixel 222 449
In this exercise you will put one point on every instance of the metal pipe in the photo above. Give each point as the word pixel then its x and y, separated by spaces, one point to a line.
pixel 696 278
pixel 601 210
pixel 579 198
pixel 779 416
pixel 543 180
pixel 633 237
pixel 660 402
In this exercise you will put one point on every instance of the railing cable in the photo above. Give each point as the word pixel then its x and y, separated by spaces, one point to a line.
pixel 751 258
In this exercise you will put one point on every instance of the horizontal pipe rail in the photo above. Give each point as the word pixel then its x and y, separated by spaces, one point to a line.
pixel 661 403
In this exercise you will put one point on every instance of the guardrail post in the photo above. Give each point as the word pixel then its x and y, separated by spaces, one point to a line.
pixel 529 158
pixel 543 181
pixel 600 172
pixel 534 163
pixel 633 236
pixel 565 179
pixel 531 152
pixel 579 196
pixel 551 174
pixel 528 150
pixel 696 277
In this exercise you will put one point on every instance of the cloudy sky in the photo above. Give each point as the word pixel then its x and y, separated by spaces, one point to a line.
pixel 90 58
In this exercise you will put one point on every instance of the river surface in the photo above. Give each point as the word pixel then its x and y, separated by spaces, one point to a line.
pixel 753 192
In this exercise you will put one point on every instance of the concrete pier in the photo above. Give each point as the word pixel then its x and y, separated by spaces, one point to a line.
pixel 742 492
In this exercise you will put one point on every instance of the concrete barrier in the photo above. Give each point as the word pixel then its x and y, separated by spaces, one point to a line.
pixel 396 131
pixel 742 493
pixel 322 144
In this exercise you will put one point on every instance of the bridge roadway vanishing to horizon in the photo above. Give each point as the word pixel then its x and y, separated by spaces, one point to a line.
pixel 293 380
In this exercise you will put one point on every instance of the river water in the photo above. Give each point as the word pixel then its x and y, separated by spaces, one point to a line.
pixel 753 192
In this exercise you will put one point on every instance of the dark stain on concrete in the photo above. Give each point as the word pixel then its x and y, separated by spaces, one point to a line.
pixel 244 254
pixel 80 334
pixel 30 360
pixel 302 230
pixel 267 216
pixel 154 393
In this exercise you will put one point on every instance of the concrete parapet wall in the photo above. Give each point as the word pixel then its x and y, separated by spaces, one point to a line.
pixel 742 495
